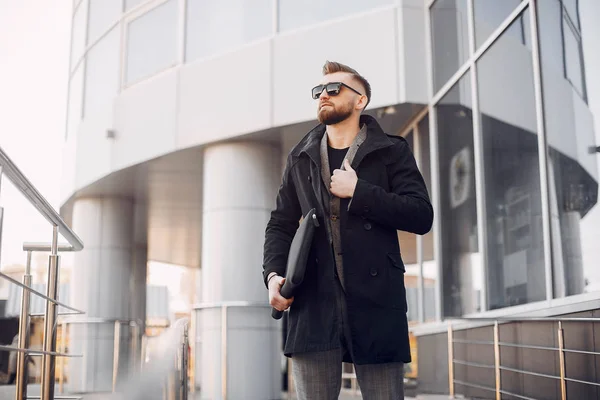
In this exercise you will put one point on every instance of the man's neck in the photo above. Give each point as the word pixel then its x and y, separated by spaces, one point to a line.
pixel 341 135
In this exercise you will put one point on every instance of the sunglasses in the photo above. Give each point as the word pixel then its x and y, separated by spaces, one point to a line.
pixel 332 88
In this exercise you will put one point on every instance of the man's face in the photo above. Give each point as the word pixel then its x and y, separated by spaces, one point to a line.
pixel 335 109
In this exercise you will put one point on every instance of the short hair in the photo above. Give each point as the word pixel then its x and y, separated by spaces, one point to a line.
pixel 331 67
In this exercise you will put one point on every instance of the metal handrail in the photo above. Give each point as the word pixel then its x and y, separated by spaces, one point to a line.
pixel 13 173
pixel 45 247
pixel 134 324
pixel 31 290
pixel 498 344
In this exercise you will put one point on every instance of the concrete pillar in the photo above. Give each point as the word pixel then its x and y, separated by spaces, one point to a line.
pixel 100 286
pixel 240 184
pixel 139 270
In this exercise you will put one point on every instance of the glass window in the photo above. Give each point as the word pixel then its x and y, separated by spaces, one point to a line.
pixel 572 8
pixel 102 73
pixel 449 35
pixel 152 42
pixel 129 4
pixel 294 14
pixel 430 271
pixel 78 33
pixel 103 14
pixel 216 26
pixel 573 185
pixel 75 106
pixel 573 59
pixel 489 14
pixel 551 41
pixel 408 248
pixel 462 267
pixel 515 248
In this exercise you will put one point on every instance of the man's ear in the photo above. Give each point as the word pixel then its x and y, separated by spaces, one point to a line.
pixel 362 103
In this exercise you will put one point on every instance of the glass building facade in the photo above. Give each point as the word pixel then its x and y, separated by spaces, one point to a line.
pixel 503 143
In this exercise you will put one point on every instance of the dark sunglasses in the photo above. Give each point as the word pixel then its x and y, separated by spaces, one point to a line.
pixel 332 88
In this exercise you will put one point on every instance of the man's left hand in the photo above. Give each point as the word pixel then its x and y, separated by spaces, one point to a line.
pixel 343 182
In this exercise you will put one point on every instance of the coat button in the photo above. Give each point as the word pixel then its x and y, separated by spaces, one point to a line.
pixel 309 179
pixel 367 209
pixel 368 226
pixel 373 272
pixel 316 260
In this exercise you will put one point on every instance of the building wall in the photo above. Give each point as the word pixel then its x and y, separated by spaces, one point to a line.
pixel 188 100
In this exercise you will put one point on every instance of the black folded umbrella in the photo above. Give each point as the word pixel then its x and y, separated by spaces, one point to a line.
pixel 297 257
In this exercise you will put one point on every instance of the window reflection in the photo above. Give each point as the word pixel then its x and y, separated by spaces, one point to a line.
pixel 295 14
pixel 408 248
pixel 216 26
pixel 515 249
pixel 462 266
pixel 573 58
pixel 489 15
pixel 103 14
pixel 102 73
pixel 572 9
pixel 78 33
pixel 152 41
pixel 449 35
pixel 572 170
pixel 430 269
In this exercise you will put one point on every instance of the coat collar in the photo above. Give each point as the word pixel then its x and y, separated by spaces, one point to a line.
pixel 376 139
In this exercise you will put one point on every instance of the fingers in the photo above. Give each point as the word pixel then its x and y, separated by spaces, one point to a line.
pixel 280 303
pixel 276 300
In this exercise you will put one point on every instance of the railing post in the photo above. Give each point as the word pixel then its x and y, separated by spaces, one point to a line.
pixel 116 350
pixel 61 379
pixel 224 352
pixel 561 354
pixel 143 350
pixel 450 360
pixel 48 360
pixel 184 365
pixel 192 359
pixel 22 358
pixel 497 360
pixel 135 338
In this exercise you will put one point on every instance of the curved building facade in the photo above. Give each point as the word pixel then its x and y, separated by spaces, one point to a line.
pixel 181 114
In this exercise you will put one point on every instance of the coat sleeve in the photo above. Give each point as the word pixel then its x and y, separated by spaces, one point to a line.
pixel 407 206
pixel 282 226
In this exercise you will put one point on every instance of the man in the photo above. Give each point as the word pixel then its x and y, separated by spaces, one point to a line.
pixel 365 186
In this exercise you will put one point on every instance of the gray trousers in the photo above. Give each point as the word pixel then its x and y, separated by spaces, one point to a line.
pixel 318 376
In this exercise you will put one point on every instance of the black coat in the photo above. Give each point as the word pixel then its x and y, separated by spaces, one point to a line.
pixel 390 195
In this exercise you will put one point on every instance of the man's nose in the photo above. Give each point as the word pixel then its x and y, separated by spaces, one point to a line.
pixel 324 94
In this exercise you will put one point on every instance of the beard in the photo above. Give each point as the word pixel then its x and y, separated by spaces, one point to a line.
pixel 332 115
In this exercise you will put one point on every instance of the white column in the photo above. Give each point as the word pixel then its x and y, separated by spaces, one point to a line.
pixel 240 184
pixel 139 270
pixel 100 286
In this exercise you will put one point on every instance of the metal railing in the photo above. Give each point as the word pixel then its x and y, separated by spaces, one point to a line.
pixel 176 383
pixel 48 354
pixel 498 344
pixel 134 327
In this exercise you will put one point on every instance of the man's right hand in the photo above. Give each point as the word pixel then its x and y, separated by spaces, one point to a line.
pixel 276 300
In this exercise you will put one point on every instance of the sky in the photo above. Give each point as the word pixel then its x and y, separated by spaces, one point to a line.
pixel 34 53
pixel 34 50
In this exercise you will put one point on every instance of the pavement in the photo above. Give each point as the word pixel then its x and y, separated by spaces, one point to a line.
pixel 7 392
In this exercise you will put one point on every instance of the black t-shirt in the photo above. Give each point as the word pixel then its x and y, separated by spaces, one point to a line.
pixel 336 158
